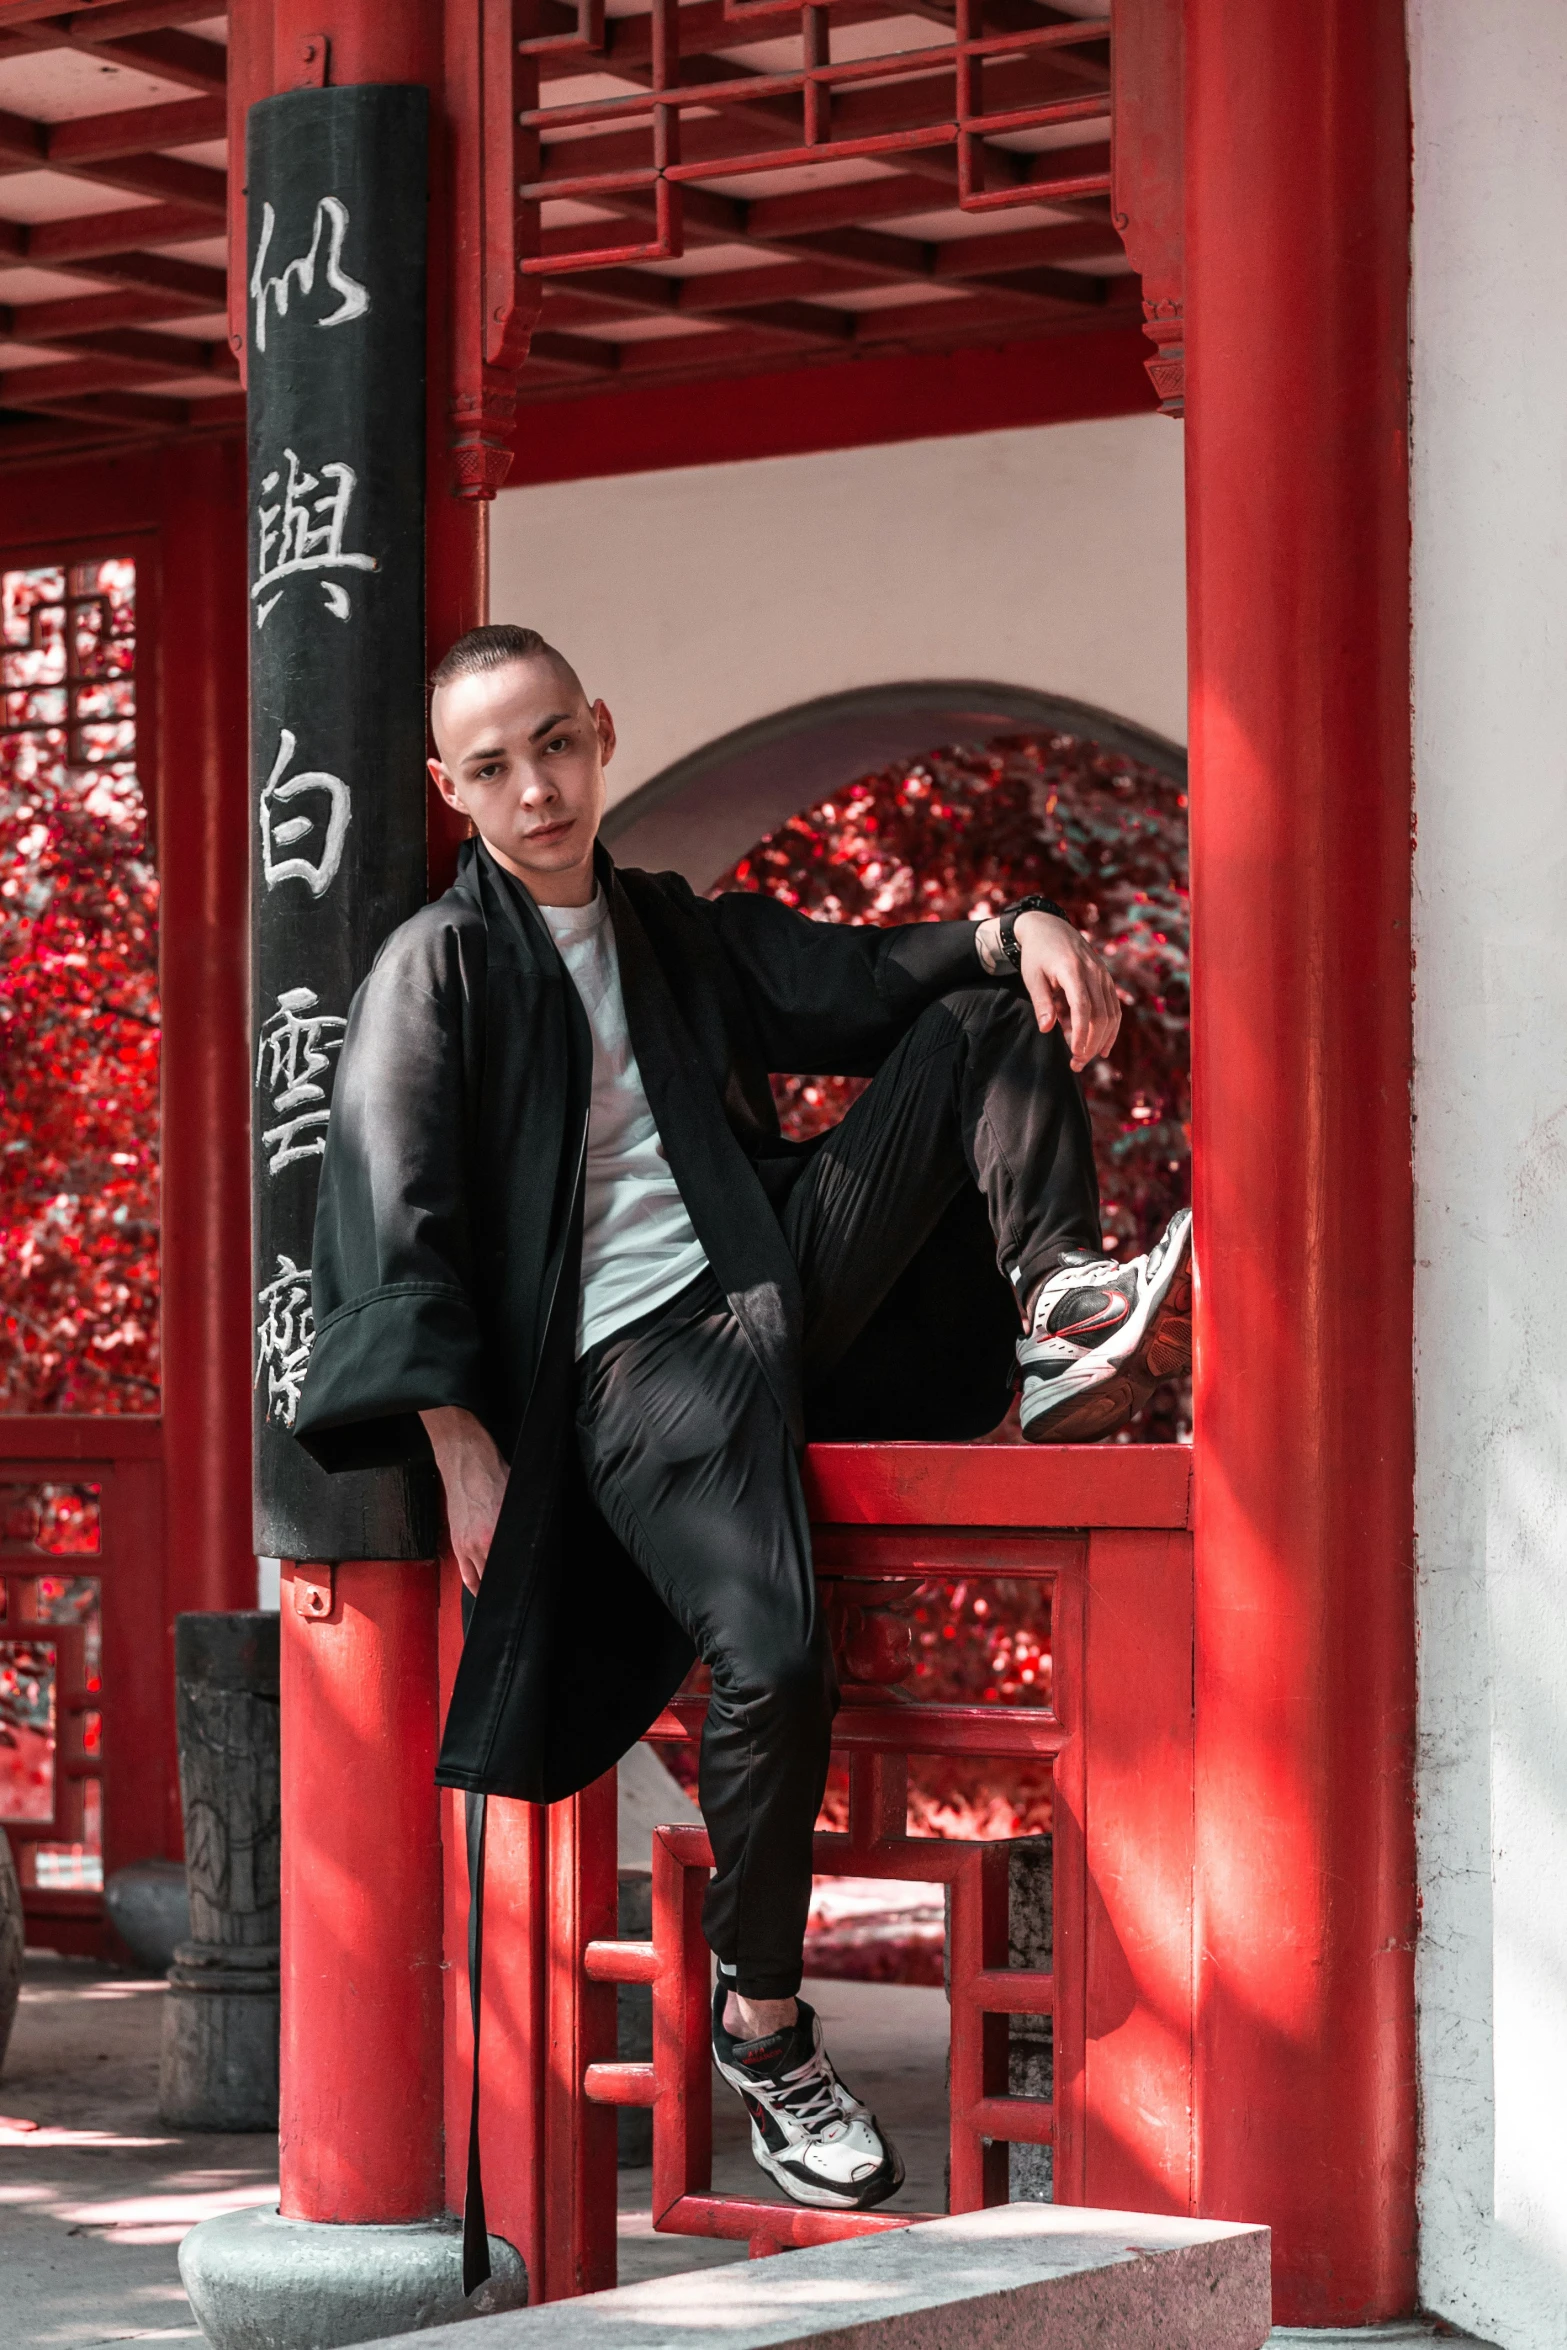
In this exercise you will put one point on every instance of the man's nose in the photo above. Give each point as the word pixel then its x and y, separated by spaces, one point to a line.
pixel 537 790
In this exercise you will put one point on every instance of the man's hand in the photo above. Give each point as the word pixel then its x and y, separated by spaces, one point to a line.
pixel 474 1476
pixel 1066 981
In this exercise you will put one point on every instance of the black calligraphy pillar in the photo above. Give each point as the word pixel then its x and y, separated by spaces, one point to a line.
pixel 337 197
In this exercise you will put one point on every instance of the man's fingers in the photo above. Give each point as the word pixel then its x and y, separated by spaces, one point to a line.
pixel 1041 994
pixel 469 1571
pixel 1108 1022
pixel 1080 1031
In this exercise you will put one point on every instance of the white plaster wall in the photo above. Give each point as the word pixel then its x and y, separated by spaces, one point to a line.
pixel 1490 581
pixel 704 598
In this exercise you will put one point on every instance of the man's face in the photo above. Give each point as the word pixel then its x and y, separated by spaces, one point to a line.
pixel 523 754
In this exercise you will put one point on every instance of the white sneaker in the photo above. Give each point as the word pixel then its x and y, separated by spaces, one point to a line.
pixel 1104 1335
pixel 808 2131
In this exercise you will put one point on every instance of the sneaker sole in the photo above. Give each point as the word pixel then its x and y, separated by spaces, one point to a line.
pixel 1087 1418
pixel 1161 1349
pixel 881 2184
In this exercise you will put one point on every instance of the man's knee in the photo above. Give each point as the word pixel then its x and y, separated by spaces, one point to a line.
pixel 785 1676
pixel 993 1010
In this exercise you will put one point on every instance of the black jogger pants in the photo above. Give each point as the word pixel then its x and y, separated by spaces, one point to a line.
pixel 969 1150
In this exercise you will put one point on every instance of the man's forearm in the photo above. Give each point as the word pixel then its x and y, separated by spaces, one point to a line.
pixel 474 1477
pixel 456 1436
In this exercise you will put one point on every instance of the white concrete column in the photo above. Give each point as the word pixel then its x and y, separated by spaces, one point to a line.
pixel 1490 605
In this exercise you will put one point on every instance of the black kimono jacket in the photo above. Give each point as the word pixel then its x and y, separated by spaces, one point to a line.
pixel 449 1229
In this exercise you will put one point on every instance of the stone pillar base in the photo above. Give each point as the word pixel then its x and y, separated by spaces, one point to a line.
pixel 260 2282
pixel 218 2064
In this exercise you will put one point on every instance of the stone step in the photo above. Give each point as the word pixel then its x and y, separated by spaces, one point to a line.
pixel 1025 2276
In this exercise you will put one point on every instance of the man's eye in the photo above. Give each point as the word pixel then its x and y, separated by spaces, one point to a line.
pixel 558 742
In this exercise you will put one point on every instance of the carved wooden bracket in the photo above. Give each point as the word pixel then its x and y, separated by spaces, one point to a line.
pixel 872 1636
pixel 1147 180
pixel 490 80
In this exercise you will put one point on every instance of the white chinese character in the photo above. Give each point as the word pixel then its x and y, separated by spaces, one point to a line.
pixel 298 1042
pixel 302 533
pixel 284 1337
pixel 319 871
pixel 332 216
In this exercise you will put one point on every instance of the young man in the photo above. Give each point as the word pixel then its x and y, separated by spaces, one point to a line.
pixel 561 1245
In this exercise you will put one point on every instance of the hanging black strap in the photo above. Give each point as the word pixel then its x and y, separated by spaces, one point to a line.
pixel 475 2235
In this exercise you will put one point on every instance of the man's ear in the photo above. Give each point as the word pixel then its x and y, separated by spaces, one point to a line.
pixel 606 731
pixel 445 786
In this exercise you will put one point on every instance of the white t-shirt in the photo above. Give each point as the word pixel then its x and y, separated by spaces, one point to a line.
pixel 638 1245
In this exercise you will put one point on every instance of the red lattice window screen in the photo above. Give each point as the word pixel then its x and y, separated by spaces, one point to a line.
pixel 79 1011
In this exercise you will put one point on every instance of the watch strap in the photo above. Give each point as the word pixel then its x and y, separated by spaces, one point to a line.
pixel 1011 951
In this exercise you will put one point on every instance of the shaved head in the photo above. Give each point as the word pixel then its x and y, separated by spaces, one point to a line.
pixel 521 753
pixel 492 647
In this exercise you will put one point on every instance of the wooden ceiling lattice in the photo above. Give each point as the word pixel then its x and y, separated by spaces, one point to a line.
pixel 706 189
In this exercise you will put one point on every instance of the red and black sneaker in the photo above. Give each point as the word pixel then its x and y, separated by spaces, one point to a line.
pixel 808 2131
pixel 1104 1335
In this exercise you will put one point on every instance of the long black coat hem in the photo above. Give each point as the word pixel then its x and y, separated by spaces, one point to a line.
pixel 448 1228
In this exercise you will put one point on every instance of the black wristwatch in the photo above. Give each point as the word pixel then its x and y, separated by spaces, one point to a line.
pixel 1010 949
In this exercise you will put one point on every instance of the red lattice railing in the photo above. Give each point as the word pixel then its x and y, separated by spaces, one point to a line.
pixel 86 1731
pixel 1106 1532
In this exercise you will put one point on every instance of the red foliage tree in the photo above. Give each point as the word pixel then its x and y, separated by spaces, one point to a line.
pixel 960 833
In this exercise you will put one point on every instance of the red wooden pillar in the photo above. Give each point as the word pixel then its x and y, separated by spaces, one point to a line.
pixel 204 863
pixel 359 2123
pixel 1297 156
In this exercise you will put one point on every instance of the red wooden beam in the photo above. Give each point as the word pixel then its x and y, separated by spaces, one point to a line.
pixel 790 410
pixel 998 1484
pixel 137 130
pixel 93 235
pixel 133 305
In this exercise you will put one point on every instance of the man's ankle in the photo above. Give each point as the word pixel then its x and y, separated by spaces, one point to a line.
pixel 753 2019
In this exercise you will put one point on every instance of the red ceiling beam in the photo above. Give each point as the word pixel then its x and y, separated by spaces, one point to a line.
pixel 108 361
pixel 173 56
pixel 137 130
pixel 198 286
pixel 94 236
pixel 123 19
pixel 114 151
pixel 916 326
pixel 79 314
pixel 778 408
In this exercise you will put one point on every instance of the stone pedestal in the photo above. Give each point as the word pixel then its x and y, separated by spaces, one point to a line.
pixel 259 2282
pixel 219 2067
pixel 149 1909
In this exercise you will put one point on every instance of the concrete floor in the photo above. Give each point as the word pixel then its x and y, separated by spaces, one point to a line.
pixel 96 2194
pixel 94 2200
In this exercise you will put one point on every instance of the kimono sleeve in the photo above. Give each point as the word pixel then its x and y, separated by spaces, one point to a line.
pixel 831 998
pixel 396 1330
